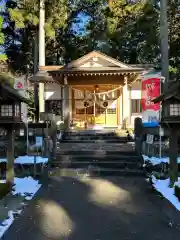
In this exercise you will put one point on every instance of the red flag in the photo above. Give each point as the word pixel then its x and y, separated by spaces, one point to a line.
pixel 150 90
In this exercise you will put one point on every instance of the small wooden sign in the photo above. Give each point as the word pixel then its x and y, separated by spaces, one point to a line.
pixel 149 139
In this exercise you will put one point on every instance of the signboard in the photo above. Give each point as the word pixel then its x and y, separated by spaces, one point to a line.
pixel 21 132
pixel 24 112
pixel 19 83
pixel 149 139
pixel 150 89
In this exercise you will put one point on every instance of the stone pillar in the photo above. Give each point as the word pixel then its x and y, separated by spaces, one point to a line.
pixel 10 155
pixel 126 104
pixel 41 98
pixel 62 103
pixel 66 109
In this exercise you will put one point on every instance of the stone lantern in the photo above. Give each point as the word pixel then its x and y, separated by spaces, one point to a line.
pixel 10 120
pixel 170 119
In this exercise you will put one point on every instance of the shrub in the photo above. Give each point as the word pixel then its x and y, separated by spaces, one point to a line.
pixel 20 149
pixel 5 188
pixel 177 192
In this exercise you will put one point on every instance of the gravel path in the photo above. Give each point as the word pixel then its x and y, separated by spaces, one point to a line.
pixel 111 208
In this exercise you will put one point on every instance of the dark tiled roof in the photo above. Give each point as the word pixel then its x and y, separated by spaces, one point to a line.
pixel 173 91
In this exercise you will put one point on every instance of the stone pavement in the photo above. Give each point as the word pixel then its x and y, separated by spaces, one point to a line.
pixel 109 208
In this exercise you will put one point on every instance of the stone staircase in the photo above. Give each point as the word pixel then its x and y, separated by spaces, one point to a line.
pixel 100 152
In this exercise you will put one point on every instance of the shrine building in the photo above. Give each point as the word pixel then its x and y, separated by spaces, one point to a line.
pixel 95 88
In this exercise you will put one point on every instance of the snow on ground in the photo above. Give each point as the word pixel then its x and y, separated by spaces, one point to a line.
pixel 30 160
pixel 156 160
pixel 26 187
pixel 162 186
pixel 3 160
pixel 27 160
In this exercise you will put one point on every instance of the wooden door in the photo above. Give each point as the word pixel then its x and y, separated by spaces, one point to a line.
pixel 111 117
pixel 100 115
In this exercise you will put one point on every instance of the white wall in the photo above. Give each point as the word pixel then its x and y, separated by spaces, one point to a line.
pixel 136 90
pixel 52 91
pixel 135 94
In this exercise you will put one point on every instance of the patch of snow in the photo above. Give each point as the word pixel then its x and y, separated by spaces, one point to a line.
pixel 30 160
pixel 2 181
pixel 156 160
pixel 27 160
pixel 6 223
pixel 162 186
pixel 25 187
pixel 3 160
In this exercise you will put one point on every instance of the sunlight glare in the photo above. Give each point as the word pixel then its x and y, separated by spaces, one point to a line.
pixel 55 221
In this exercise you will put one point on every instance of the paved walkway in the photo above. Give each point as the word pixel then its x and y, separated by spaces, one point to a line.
pixel 111 208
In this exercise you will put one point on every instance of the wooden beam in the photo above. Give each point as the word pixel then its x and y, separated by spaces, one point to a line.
pixel 102 88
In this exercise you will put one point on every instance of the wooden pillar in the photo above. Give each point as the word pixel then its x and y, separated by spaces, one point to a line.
pixel 66 105
pixel 118 107
pixel 73 104
pixel 126 104
pixel 10 155
pixel 130 105
pixel 173 154
pixel 121 107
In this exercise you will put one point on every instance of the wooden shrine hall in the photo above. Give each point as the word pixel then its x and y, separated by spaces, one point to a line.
pixel 94 89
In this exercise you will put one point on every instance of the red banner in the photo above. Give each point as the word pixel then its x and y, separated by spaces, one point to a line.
pixel 150 90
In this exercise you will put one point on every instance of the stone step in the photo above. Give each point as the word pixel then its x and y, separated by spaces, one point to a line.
pixel 83 173
pixel 96 143
pixel 108 140
pixel 103 138
pixel 102 164
pixel 92 132
pixel 95 152
pixel 91 158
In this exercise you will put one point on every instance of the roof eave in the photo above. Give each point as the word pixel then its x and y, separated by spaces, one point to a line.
pixel 79 71
pixel 15 94
pixel 158 99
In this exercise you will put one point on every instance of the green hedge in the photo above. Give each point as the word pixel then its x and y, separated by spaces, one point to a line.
pixel 177 192
pixel 5 188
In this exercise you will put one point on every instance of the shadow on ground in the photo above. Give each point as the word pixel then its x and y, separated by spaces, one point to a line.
pixel 109 208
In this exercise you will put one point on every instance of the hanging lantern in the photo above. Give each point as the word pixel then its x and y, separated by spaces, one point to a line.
pixel 96 88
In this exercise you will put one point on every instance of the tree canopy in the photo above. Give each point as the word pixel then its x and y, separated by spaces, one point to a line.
pixel 126 30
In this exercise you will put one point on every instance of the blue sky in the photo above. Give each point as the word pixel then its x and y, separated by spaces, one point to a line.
pixel 80 26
